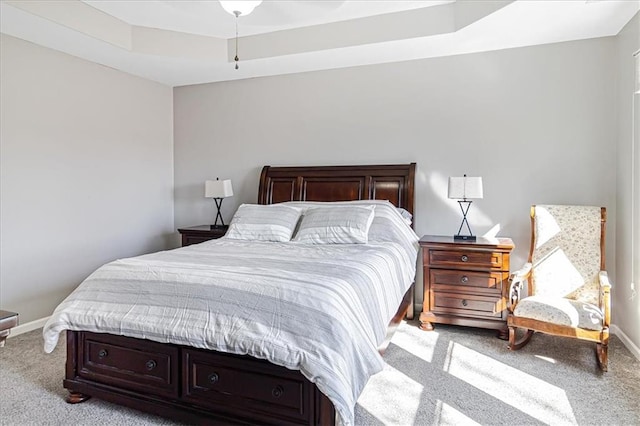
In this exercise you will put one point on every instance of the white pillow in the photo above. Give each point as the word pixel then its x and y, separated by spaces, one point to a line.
pixel 388 223
pixel 408 217
pixel 335 225
pixel 389 226
pixel 271 222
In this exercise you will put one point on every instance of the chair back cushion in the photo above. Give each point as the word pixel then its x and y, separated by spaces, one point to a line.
pixel 566 252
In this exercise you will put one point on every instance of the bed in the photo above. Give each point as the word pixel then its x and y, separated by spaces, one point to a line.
pixel 187 380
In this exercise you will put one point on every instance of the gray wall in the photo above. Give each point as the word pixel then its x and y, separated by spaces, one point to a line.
pixel 537 123
pixel 86 151
pixel 86 172
pixel 626 303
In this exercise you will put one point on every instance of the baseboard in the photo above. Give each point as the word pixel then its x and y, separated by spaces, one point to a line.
pixel 625 339
pixel 30 326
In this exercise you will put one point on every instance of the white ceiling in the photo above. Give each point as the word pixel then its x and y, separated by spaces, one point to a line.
pixel 189 42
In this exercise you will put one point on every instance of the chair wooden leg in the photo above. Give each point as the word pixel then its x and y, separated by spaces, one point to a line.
pixel 513 345
pixel 602 352
pixel 512 337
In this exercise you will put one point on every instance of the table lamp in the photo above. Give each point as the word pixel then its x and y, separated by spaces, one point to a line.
pixel 218 190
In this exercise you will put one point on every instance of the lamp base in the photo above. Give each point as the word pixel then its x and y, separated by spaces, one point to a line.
pixel 458 236
pixel 218 201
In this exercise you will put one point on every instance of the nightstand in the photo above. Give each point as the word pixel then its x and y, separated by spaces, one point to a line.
pixel 201 233
pixel 466 282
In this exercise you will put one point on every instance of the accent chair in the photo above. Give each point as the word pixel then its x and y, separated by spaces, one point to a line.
pixel 563 289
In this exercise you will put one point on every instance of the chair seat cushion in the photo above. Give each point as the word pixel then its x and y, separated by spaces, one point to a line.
pixel 561 311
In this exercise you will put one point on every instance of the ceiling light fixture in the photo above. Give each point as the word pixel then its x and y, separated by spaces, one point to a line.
pixel 239 8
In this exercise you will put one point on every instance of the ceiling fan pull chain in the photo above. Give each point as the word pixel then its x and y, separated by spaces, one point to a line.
pixel 236 58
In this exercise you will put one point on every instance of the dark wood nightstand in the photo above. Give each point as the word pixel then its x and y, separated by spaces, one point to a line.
pixel 466 282
pixel 201 233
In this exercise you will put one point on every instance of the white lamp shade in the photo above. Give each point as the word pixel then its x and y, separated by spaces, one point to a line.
pixel 243 7
pixel 465 187
pixel 218 188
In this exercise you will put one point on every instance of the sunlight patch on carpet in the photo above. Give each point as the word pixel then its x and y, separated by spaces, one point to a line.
pixel 546 358
pixel 391 393
pixel 416 341
pixel 447 415
pixel 535 397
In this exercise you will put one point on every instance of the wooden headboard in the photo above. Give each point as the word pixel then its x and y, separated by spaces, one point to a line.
pixel 393 182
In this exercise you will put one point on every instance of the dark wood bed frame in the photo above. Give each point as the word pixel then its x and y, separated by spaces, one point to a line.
pixel 203 386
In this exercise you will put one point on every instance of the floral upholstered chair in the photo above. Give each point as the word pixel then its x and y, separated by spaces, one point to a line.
pixel 567 290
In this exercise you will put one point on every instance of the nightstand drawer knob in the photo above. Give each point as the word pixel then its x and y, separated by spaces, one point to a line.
pixel 151 364
pixel 464 279
pixel 102 353
pixel 213 378
pixel 464 302
pixel 464 258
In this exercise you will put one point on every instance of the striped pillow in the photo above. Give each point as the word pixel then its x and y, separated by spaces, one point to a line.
pixel 259 222
pixel 335 225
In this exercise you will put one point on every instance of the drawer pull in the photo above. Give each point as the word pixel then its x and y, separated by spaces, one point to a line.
pixel 277 391
pixel 102 353
pixel 464 302
pixel 151 364
pixel 464 279
pixel 213 378
pixel 464 258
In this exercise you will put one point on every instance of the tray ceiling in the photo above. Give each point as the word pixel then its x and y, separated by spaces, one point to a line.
pixel 190 42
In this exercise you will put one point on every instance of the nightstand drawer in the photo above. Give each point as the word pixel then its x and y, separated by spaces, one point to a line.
pixel 457 280
pixel 188 240
pixel 466 258
pixel 201 233
pixel 467 305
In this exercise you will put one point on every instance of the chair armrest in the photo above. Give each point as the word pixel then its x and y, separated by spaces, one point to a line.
pixel 605 297
pixel 515 284
pixel 604 280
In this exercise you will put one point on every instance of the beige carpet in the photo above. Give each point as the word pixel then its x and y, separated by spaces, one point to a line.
pixel 451 376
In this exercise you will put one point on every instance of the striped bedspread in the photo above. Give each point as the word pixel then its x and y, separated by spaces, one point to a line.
pixel 320 309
